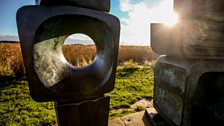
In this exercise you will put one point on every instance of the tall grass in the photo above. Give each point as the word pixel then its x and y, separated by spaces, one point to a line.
pixel 79 55
pixel 139 54
pixel 11 59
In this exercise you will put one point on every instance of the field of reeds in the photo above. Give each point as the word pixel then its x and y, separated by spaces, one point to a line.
pixel 79 55
pixel 11 62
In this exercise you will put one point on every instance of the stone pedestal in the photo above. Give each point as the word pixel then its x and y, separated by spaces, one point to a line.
pixel 185 91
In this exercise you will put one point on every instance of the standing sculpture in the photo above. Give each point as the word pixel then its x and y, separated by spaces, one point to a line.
pixel 189 80
pixel 79 93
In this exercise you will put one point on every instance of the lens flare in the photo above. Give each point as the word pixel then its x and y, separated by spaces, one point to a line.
pixel 171 19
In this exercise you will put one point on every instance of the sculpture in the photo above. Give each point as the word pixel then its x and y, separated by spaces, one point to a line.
pixel 79 93
pixel 188 78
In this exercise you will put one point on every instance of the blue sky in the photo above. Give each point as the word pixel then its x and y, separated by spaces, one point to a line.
pixel 135 17
pixel 8 10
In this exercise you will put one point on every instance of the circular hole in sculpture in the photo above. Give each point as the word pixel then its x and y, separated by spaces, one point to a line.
pixel 79 50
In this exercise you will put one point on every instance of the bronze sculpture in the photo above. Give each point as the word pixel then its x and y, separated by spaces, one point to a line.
pixel 188 78
pixel 79 93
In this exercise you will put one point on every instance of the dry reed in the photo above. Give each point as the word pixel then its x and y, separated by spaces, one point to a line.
pixel 79 55
pixel 11 59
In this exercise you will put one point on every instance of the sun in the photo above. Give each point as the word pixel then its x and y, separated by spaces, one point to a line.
pixel 164 13
pixel 171 19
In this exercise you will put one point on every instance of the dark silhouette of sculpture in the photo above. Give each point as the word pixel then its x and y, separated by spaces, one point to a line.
pixel 79 93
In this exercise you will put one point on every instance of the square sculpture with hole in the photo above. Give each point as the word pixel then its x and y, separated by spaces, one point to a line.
pixel 42 32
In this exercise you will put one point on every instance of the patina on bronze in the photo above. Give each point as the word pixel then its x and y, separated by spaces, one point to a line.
pixel 78 92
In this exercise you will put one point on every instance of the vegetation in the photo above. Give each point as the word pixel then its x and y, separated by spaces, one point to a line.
pixel 11 59
pixel 11 62
pixel 139 54
pixel 79 55
pixel 134 81
pixel 17 107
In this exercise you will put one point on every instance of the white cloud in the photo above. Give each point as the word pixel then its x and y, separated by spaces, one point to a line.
pixel 73 39
pixel 79 39
pixel 135 28
pixel 9 37
pixel 125 5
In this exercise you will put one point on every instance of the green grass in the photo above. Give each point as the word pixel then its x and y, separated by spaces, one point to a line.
pixel 17 107
pixel 133 83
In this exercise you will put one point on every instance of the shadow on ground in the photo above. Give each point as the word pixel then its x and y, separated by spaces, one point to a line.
pixel 7 80
pixel 127 72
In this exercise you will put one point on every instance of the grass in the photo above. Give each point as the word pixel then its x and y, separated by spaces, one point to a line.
pixel 79 55
pixel 11 59
pixel 139 54
pixel 133 82
pixel 17 107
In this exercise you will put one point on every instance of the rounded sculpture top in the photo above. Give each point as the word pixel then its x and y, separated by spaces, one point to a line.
pixel 100 5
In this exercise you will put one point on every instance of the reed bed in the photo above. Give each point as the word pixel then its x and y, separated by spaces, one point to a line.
pixel 11 62
pixel 11 59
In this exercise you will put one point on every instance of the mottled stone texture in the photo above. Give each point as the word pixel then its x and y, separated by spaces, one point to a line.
pixel 101 5
pixel 42 32
pixel 188 91
pixel 168 90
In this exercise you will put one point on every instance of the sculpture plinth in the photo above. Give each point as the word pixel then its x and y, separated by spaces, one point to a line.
pixel 42 32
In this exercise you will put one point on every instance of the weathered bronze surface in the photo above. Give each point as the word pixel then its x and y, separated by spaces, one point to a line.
pixel 101 5
pixel 194 39
pixel 42 32
pixel 206 9
pixel 77 92
pixel 181 89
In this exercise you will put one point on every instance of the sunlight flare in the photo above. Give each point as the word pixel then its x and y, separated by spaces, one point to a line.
pixel 171 20
pixel 166 14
